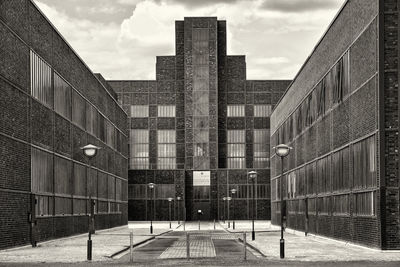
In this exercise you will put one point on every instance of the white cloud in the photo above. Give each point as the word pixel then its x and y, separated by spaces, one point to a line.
pixel 275 43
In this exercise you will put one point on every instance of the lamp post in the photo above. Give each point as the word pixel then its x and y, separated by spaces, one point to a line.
pixel 253 177
pixel 224 199
pixel 178 198
pixel 90 151
pixel 228 199
pixel 233 192
pixel 282 151
pixel 151 186
pixel 169 202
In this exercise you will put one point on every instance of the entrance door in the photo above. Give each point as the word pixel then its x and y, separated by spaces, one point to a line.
pixel 201 195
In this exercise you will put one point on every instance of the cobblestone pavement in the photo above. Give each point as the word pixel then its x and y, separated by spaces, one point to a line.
pixel 200 247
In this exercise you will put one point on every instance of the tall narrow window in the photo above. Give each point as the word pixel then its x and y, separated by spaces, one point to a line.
pixel 41 80
pixel 92 119
pixel 340 170
pixel 139 149
pixel 78 110
pixel 261 148
pixel 236 149
pixel 41 171
pixel 166 149
pixel 62 97
pixel 262 110
pixel 110 134
pixel 364 166
pixel 139 111
pixel 236 111
pixel 364 204
pixel 166 111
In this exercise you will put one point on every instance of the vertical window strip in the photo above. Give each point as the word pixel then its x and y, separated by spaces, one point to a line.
pixel 139 111
pixel 166 149
pixel 236 149
pixel 41 87
pixel 262 110
pixel 166 111
pixel 235 110
pixel 139 149
pixel 261 148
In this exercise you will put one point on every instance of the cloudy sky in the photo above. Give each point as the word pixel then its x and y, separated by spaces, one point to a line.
pixel 121 38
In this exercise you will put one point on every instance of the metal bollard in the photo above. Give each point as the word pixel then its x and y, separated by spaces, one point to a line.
pixel 184 226
pixel 89 247
pixel 244 246
pixel 131 245
pixel 187 246
pixel 214 224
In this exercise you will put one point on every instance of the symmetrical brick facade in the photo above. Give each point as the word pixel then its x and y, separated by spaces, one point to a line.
pixel 178 81
pixel 27 125
pixel 347 151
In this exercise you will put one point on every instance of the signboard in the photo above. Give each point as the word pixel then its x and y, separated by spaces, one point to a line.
pixel 201 178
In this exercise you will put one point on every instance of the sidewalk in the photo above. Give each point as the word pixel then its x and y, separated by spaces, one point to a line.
pixel 246 226
pixel 314 248
pixel 74 249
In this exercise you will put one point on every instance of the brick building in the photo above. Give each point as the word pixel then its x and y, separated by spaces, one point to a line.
pixel 51 104
pixel 198 129
pixel 340 115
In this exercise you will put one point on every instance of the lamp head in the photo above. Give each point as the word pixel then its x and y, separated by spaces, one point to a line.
pixel 252 174
pixel 229 198
pixel 233 191
pixel 170 199
pixel 282 150
pixel 224 198
pixel 151 185
pixel 178 198
pixel 90 150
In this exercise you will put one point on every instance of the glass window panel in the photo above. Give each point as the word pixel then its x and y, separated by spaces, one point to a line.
pixel 63 206
pixel 41 87
pixel 166 111
pixel 62 97
pixel 41 171
pixel 236 110
pixel 79 179
pixel 78 110
pixel 139 149
pixel 166 149
pixel 236 149
pixel 62 176
pixel 139 111
pixel 262 110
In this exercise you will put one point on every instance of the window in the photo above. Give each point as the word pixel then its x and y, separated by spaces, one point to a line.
pixel 118 189
pixel 139 111
pixel 262 110
pixel 236 149
pixel 44 206
pixel 166 149
pixel 340 169
pixel 111 187
pixel 341 205
pixel 62 97
pixel 79 180
pixel 79 206
pixel 324 174
pixel 164 191
pixel 78 110
pixel 110 134
pixel 324 205
pixel 139 149
pixel 201 192
pixel 102 183
pixel 62 176
pixel 261 148
pixel 63 206
pixel 263 191
pixel 236 111
pixel 41 80
pixel 311 206
pixel 311 178
pixel 92 119
pixel 166 111
pixel 291 185
pixel 137 191
pixel 365 204
pixel 42 171
pixel 292 206
pixel 364 166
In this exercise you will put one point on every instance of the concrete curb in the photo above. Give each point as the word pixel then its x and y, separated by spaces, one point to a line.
pixel 137 244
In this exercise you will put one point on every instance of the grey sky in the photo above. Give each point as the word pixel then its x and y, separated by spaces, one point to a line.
pixel 121 38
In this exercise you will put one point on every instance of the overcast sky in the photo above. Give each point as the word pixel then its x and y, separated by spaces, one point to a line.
pixel 121 38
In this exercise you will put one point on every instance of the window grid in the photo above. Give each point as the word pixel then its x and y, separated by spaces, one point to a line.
pixel 41 87
pixel 261 148
pixel 262 110
pixel 236 111
pixel 236 149
pixel 139 111
pixel 166 149
pixel 139 149
pixel 166 111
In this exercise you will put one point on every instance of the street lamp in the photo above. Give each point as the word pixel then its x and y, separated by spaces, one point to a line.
pixel 90 151
pixel 282 151
pixel 169 202
pixel 178 198
pixel 228 199
pixel 233 192
pixel 151 186
pixel 253 177
pixel 224 199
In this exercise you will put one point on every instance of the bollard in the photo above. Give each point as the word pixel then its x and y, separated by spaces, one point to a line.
pixel 89 247
pixel 229 224
pixel 187 246
pixel 214 224
pixel 199 225
pixel 244 246
pixel 184 226
pixel 131 245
